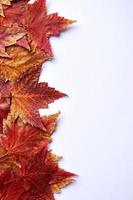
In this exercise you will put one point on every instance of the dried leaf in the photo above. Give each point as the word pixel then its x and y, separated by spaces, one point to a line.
pixel 12 13
pixel 50 121
pixel 4 2
pixel 20 140
pixel 9 36
pixel 20 60
pixel 36 178
pixel 52 25
pixel 29 16
pixel 28 96
pixel 57 187
pixel 4 101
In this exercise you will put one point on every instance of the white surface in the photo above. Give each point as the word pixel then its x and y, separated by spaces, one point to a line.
pixel 94 65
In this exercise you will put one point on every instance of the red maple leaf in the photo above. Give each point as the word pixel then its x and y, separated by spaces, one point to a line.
pixel 4 101
pixel 37 23
pixel 22 140
pixel 33 180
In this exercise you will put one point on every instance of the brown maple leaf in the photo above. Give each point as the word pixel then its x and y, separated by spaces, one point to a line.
pixel 28 96
pixel 20 60
pixel 4 2
pixel 29 16
pixel 9 35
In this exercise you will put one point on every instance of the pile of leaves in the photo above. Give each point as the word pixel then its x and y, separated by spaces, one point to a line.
pixel 28 169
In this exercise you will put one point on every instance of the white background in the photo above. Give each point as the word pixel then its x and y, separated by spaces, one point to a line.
pixel 93 64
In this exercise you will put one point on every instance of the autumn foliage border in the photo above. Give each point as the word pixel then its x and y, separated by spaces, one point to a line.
pixel 28 168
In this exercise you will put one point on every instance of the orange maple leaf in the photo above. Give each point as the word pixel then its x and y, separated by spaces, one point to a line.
pixel 28 96
pixel 20 60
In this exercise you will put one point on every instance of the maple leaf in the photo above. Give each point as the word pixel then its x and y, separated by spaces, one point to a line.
pixel 28 96
pixel 20 140
pixel 9 35
pixel 42 174
pixel 33 179
pixel 36 178
pixel 30 15
pixel 52 25
pixel 20 60
pixel 4 101
pixel 49 122
pixel 4 2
